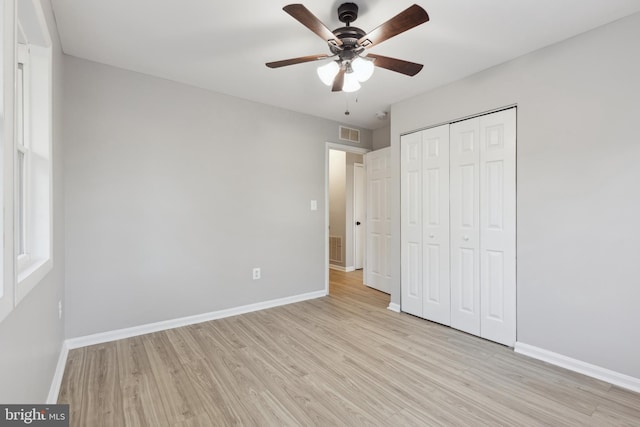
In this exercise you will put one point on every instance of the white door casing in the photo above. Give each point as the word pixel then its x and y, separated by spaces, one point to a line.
pixel 378 225
pixel 465 227
pixel 498 226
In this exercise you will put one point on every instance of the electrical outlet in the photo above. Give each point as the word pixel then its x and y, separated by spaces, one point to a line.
pixel 59 309
pixel 256 273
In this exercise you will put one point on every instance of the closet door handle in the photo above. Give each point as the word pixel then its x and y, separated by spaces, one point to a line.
pixel 431 236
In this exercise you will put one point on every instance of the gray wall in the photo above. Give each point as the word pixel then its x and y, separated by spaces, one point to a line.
pixel 577 183
pixel 382 137
pixel 31 336
pixel 174 193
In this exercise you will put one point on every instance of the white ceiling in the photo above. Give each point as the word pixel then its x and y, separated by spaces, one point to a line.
pixel 223 45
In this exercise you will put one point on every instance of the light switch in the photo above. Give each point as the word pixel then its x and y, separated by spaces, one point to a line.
pixel 314 205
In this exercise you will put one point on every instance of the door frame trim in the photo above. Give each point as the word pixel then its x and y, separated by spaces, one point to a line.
pixel 348 149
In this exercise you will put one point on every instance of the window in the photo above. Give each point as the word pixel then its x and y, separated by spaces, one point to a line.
pixel 32 157
pixel 25 150
pixel 6 286
pixel 22 141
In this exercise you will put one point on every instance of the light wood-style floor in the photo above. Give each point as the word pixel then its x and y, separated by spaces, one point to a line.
pixel 339 360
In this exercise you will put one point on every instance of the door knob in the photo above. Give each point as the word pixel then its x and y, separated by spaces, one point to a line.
pixel 431 236
pixel 466 238
pixel 357 222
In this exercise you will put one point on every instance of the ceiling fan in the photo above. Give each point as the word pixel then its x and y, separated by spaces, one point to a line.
pixel 351 65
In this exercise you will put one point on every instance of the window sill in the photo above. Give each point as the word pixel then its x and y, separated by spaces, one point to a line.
pixel 31 275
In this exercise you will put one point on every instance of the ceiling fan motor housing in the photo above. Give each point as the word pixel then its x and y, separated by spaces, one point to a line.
pixel 348 12
pixel 349 37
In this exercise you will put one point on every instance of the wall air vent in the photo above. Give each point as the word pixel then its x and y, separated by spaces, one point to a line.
pixel 348 134
pixel 335 250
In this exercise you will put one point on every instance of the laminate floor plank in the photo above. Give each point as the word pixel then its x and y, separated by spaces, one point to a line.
pixel 139 387
pixel 102 395
pixel 340 360
pixel 223 381
pixel 539 409
pixel 612 415
pixel 73 382
pixel 574 390
pixel 175 391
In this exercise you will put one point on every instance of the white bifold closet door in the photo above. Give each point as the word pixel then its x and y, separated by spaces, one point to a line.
pixel 458 234
pixel 483 226
pixel 425 224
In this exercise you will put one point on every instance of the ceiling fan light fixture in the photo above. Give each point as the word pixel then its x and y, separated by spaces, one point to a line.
pixel 328 72
pixel 351 83
pixel 362 68
pixel 346 44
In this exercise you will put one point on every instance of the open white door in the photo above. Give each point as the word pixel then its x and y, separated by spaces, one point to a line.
pixel 378 254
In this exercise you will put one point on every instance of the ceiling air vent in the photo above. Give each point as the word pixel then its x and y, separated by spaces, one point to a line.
pixel 348 134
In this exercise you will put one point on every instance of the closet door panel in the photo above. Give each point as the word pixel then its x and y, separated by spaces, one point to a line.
pixel 411 223
pixel 435 233
pixel 498 226
pixel 465 225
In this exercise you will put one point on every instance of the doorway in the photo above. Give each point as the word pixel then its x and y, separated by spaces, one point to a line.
pixel 345 208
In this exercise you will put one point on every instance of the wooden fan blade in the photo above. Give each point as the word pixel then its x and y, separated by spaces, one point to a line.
pixel 292 61
pixel 309 20
pixel 338 82
pixel 397 65
pixel 411 17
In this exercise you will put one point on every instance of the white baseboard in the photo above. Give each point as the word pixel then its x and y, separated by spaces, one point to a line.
pixel 184 321
pixel 394 307
pixel 612 377
pixel 54 390
pixel 341 268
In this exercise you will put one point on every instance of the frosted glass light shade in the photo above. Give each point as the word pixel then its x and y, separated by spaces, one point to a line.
pixel 327 72
pixel 362 68
pixel 351 83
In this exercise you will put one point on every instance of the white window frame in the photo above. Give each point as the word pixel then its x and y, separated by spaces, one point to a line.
pixel 7 54
pixel 26 130
pixel 33 218
pixel 22 138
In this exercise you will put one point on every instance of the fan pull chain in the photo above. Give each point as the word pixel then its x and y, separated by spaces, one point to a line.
pixel 346 100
